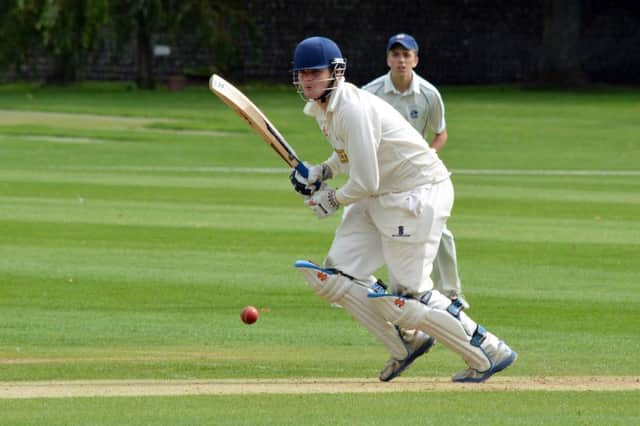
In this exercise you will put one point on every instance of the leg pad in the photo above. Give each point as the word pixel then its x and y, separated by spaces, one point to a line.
pixel 335 287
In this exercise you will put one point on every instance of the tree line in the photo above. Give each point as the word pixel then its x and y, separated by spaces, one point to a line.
pixel 66 32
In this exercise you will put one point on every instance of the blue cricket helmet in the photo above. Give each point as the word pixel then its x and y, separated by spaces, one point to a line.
pixel 315 53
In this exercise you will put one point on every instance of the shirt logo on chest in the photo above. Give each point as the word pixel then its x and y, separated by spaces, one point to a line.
pixel 413 113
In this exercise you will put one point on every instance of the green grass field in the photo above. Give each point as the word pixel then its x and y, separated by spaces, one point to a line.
pixel 134 227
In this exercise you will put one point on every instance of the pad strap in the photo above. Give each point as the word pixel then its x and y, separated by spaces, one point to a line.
pixel 478 336
pixel 455 308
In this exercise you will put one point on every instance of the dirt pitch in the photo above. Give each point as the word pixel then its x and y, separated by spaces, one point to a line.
pixel 102 388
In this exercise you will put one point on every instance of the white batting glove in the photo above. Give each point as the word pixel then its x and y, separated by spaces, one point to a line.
pixel 323 203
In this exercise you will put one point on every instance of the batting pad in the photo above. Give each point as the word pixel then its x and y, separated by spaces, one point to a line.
pixel 353 296
pixel 456 333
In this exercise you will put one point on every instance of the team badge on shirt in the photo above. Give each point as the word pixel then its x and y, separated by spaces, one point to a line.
pixel 342 155
pixel 413 113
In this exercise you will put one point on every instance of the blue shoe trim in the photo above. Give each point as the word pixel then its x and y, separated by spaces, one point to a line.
pixel 405 363
pixel 493 370
pixel 504 364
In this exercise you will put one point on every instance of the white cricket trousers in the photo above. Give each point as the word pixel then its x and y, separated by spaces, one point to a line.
pixel 445 266
pixel 400 230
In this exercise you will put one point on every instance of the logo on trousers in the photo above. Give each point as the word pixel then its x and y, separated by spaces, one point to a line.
pixel 401 232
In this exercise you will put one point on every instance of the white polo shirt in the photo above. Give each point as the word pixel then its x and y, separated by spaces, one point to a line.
pixel 421 105
pixel 374 145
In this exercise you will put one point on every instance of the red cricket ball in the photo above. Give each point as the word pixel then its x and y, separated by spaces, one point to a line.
pixel 249 315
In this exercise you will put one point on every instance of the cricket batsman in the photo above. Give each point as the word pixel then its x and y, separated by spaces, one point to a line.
pixel 397 199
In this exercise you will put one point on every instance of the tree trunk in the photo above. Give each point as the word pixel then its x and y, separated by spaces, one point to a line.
pixel 145 78
pixel 63 70
pixel 560 57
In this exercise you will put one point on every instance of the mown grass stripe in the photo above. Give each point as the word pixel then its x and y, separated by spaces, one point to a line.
pixel 281 170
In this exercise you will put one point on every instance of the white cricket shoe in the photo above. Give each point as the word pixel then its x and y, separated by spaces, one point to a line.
pixel 418 344
pixel 504 357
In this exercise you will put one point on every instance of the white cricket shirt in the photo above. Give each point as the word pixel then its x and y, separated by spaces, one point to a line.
pixel 421 104
pixel 374 145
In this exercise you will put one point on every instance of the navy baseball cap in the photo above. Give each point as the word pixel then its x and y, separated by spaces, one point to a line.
pixel 404 40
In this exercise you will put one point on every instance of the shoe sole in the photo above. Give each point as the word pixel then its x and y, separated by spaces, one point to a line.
pixel 496 369
pixel 426 346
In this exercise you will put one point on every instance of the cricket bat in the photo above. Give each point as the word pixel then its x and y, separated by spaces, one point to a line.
pixel 246 109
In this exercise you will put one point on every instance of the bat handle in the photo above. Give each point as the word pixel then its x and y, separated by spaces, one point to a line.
pixel 304 171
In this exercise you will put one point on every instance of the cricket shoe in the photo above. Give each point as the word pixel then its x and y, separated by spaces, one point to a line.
pixel 419 344
pixel 504 358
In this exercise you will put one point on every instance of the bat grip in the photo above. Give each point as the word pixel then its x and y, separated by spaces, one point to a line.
pixel 304 171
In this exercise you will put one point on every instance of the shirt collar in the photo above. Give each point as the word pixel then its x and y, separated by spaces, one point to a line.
pixel 390 88
pixel 312 109
pixel 333 99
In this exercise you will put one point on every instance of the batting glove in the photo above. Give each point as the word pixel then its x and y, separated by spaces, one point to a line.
pixel 323 203
pixel 307 186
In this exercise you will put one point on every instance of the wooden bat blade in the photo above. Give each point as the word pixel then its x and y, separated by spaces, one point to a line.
pixel 246 109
